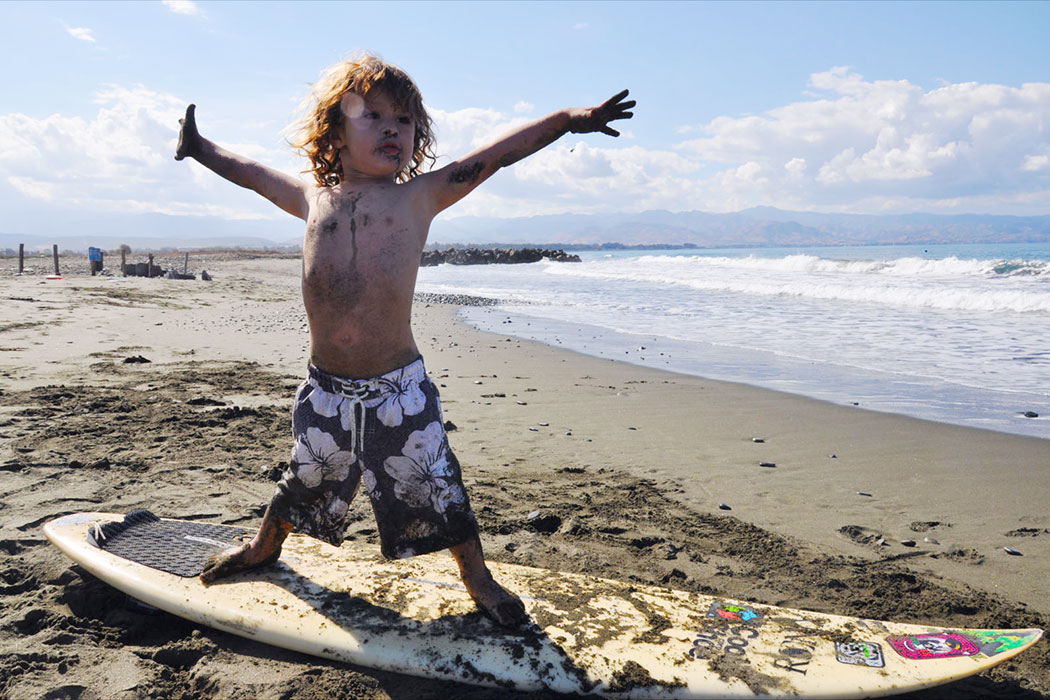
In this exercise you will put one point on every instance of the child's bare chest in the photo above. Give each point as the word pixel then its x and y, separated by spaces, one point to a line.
pixel 360 245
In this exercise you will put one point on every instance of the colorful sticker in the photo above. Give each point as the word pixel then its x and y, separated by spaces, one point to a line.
pixel 992 642
pixel 860 654
pixel 940 645
pixel 735 613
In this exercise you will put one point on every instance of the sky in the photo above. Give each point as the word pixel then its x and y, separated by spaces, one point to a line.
pixel 830 106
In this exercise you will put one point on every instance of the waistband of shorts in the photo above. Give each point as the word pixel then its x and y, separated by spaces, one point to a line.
pixel 413 372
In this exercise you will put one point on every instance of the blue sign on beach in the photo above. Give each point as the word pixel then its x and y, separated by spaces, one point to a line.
pixel 94 254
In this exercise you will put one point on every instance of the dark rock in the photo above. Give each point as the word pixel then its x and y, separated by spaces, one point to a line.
pixel 493 256
pixel 136 360
pixel 450 426
pixel 1030 414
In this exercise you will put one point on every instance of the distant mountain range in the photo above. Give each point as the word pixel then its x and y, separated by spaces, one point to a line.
pixel 757 227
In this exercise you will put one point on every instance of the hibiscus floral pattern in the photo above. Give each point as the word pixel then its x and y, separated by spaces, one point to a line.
pixel 386 434
pixel 423 477
pixel 403 397
pixel 320 459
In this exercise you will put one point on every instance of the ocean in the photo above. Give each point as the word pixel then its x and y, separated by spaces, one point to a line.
pixel 951 333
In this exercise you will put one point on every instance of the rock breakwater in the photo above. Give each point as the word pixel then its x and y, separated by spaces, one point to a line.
pixel 493 256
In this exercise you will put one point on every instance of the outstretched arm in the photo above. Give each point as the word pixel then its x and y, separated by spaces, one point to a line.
pixel 283 190
pixel 454 181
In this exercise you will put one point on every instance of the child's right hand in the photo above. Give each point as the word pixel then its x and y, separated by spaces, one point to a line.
pixel 189 139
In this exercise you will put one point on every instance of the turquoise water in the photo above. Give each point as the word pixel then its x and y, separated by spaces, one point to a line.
pixel 953 333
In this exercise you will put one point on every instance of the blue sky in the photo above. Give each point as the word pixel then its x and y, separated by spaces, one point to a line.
pixel 859 107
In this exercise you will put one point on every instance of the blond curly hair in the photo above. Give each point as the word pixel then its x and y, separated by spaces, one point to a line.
pixel 312 135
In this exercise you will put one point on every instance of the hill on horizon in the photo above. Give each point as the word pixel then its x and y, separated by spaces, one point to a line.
pixel 756 227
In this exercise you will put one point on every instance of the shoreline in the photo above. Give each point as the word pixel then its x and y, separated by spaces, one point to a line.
pixel 633 462
pixel 936 401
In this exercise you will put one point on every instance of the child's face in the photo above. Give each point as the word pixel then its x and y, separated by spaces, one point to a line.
pixel 376 137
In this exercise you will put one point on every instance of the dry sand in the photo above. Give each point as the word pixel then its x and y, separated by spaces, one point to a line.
pixel 633 462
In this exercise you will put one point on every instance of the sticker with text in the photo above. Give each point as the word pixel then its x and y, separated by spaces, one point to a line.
pixel 860 654
pixel 728 630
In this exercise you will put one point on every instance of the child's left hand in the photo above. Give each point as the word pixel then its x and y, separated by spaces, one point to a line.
pixel 591 119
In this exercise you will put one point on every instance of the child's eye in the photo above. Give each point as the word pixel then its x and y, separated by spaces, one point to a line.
pixel 405 120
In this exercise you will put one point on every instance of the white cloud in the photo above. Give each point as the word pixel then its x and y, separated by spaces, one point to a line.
pixel 851 145
pixel 854 142
pixel 82 33
pixel 183 7
pixel 523 107
pixel 1035 163
pixel 119 160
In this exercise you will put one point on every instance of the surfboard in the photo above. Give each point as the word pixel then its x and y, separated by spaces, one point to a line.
pixel 588 635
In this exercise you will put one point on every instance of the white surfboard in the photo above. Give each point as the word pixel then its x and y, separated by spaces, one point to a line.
pixel 590 635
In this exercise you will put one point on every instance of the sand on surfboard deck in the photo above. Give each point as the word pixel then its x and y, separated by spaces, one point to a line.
pixel 589 635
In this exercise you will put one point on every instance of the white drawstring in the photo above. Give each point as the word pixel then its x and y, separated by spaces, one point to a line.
pixel 357 401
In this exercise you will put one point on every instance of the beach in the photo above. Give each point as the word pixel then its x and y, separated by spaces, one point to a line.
pixel 175 395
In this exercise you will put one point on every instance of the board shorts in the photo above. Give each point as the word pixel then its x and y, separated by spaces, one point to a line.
pixel 386 433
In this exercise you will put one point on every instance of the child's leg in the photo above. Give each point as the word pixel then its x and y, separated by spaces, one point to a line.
pixel 495 601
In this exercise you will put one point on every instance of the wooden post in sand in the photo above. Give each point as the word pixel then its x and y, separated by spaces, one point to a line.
pixel 123 261
pixel 149 269
pixel 185 263
pixel 54 254
pixel 21 257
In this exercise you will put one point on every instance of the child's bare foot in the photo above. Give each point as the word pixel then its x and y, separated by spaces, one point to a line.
pixel 496 602
pixel 236 560
pixel 264 549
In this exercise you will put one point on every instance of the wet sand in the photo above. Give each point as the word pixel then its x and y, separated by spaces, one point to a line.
pixel 633 462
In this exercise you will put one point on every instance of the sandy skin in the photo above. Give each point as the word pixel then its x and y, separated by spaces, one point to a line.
pixel 362 245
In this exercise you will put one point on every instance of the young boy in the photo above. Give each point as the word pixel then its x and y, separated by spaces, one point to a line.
pixel 367 413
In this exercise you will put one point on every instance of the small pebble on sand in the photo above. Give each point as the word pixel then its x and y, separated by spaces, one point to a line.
pixel 908 543
pixel 863 493
pixel 768 465
pixel 757 439
pixel 723 506
pixel 930 540
pixel 1012 552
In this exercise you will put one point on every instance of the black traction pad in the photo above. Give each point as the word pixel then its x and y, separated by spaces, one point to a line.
pixel 178 547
